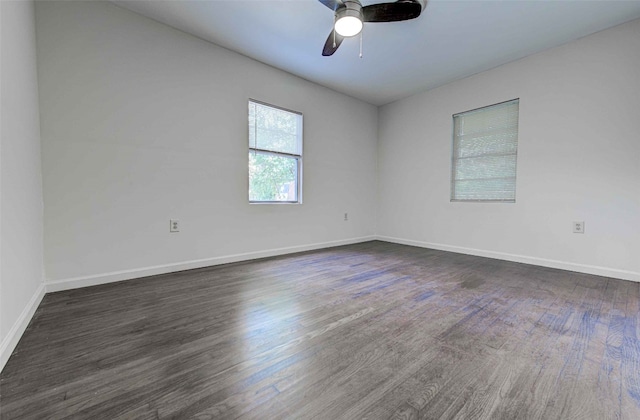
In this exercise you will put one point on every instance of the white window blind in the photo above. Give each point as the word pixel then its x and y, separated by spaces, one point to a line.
pixel 485 149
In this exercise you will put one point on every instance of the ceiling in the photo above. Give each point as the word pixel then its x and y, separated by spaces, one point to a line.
pixel 449 41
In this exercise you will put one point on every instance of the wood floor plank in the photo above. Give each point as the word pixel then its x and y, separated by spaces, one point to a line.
pixel 372 330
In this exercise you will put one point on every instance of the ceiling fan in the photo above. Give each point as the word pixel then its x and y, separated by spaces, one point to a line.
pixel 350 16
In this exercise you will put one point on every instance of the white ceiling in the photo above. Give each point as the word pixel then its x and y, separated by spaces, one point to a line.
pixel 450 40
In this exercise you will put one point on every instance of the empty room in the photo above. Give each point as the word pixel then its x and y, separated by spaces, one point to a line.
pixel 320 209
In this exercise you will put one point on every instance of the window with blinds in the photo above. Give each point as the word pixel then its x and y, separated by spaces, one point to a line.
pixel 485 150
pixel 275 154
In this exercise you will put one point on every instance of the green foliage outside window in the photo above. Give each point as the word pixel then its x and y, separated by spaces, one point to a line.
pixel 272 177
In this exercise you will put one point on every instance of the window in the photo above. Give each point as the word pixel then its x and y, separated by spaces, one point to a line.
pixel 485 149
pixel 275 154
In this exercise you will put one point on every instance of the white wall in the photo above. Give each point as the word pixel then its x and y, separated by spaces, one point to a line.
pixel 578 160
pixel 21 287
pixel 142 123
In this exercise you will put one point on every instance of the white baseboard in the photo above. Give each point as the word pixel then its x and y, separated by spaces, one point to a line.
pixel 76 282
pixel 103 278
pixel 562 265
pixel 15 333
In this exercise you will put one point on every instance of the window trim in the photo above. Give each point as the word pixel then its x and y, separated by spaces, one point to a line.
pixel 480 108
pixel 298 158
pixel 452 154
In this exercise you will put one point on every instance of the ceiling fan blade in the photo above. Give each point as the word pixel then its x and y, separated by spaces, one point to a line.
pixel 329 49
pixel 392 12
pixel 332 4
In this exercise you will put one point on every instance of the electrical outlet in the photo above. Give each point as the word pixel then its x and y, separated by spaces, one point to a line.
pixel 174 225
pixel 346 217
pixel 578 227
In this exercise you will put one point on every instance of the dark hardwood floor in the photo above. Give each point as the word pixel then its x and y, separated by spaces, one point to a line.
pixel 372 330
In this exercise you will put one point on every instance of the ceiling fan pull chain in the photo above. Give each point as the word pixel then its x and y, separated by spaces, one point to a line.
pixel 361 43
pixel 334 32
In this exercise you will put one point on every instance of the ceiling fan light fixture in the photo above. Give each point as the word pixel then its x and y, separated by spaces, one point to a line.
pixel 348 26
pixel 349 19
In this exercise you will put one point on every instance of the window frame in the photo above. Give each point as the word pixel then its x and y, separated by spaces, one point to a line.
pixel 452 179
pixel 276 153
